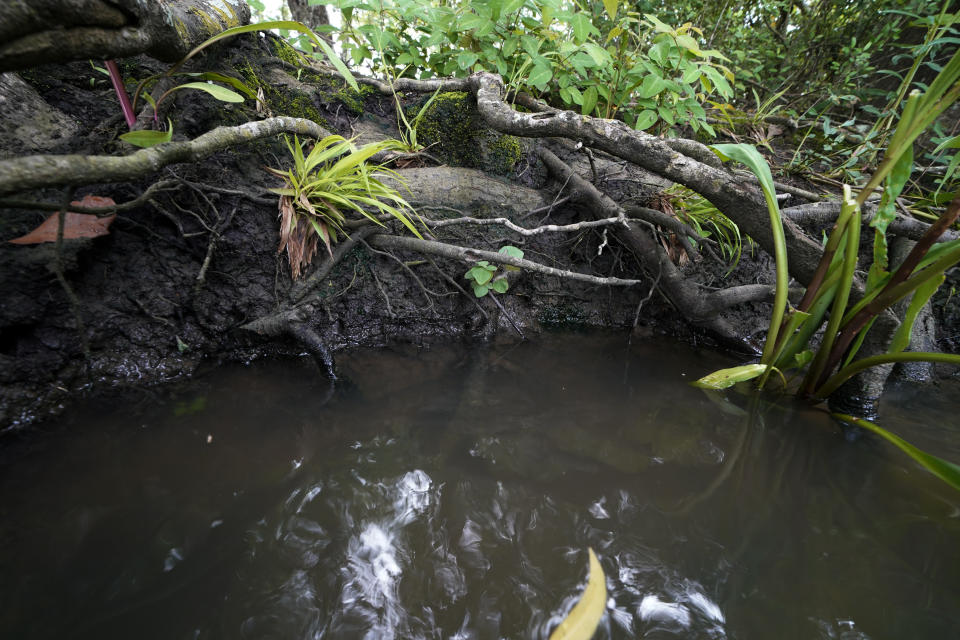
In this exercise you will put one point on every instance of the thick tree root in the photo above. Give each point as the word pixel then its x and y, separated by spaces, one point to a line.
pixel 46 31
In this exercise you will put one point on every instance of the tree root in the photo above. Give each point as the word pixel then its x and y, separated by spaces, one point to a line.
pixel 737 199
pixel 31 172
pixel 701 311
pixel 46 31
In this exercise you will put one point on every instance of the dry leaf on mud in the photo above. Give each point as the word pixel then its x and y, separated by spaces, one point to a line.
pixel 76 225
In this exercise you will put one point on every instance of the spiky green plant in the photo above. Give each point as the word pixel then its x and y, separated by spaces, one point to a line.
pixel 328 187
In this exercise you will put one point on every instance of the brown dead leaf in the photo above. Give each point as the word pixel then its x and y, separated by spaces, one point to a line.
pixel 76 225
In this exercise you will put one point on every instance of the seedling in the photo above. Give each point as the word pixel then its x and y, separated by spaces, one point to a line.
pixel 486 277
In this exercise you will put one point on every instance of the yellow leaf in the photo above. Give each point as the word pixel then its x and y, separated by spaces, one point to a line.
pixel 582 621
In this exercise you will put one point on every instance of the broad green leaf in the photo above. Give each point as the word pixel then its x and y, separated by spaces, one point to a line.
pixel 901 339
pixel 652 85
pixel 220 93
pixel 597 53
pixel 510 250
pixel 645 120
pixel 658 26
pixel 589 100
pixel 540 76
pixel 500 285
pixel 292 25
pixel 466 59
pixel 943 469
pixel 149 138
pixel 583 619
pixel 611 7
pixel 725 378
pixel 688 43
pixel 480 275
pixel 480 290
pixel 582 27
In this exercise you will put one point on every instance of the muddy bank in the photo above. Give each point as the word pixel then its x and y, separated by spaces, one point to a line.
pixel 149 316
pixel 184 275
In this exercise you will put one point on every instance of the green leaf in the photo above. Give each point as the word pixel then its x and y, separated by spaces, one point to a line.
pixel 480 290
pixel 466 59
pixel 589 100
pixel 149 138
pixel 597 53
pixel 500 285
pixel 943 469
pixel 688 43
pixel 332 57
pixel 480 275
pixel 611 6
pixel 728 377
pixel 220 93
pixel 540 76
pixel 582 27
pixel 510 250
pixel 901 339
pixel 583 619
pixel 645 120
pixel 893 186
pixel 652 85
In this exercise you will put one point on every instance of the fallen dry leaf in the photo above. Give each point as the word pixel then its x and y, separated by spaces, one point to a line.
pixel 76 225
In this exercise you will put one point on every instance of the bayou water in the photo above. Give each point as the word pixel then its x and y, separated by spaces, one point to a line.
pixel 452 492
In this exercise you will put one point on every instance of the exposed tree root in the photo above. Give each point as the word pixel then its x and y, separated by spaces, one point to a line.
pixel 738 199
pixel 45 31
pixel 31 172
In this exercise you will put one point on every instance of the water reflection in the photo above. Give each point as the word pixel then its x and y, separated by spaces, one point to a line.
pixel 453 494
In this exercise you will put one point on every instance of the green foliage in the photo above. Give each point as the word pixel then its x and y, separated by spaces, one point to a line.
pixel 599 60
pixel 919 275
pixel 326 188
pixel 943 469
pixel 484 277
pixel 707 221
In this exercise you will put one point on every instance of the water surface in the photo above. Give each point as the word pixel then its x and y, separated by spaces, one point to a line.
pixel 453 492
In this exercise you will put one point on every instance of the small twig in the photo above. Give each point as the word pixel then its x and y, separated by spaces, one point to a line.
pixel 509 317
pixel 143 198
pixel 211 246
pixel 459 288
pixel 383 292
pixel 643 301
pixel 60 271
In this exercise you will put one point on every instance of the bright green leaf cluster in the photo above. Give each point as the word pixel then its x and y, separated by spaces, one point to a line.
pixel 484 278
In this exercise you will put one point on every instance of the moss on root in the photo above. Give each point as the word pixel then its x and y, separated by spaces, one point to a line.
pixel 281 101
pixel 453 129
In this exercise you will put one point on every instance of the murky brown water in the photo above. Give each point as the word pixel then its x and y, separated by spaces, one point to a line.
pixel 451 493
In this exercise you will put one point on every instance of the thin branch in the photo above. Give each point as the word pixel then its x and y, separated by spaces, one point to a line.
pixel 143 198
pixel 467 254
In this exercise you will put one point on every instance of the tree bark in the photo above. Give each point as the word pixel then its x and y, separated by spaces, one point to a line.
pixel 48 31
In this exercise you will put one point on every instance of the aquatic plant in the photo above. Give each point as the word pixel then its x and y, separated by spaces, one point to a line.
pixel 832 289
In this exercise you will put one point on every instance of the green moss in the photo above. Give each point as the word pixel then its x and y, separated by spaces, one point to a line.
pixel 353 100
pixel 282 101
pixel 503 153
pixel 453 129
pixel 283 50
